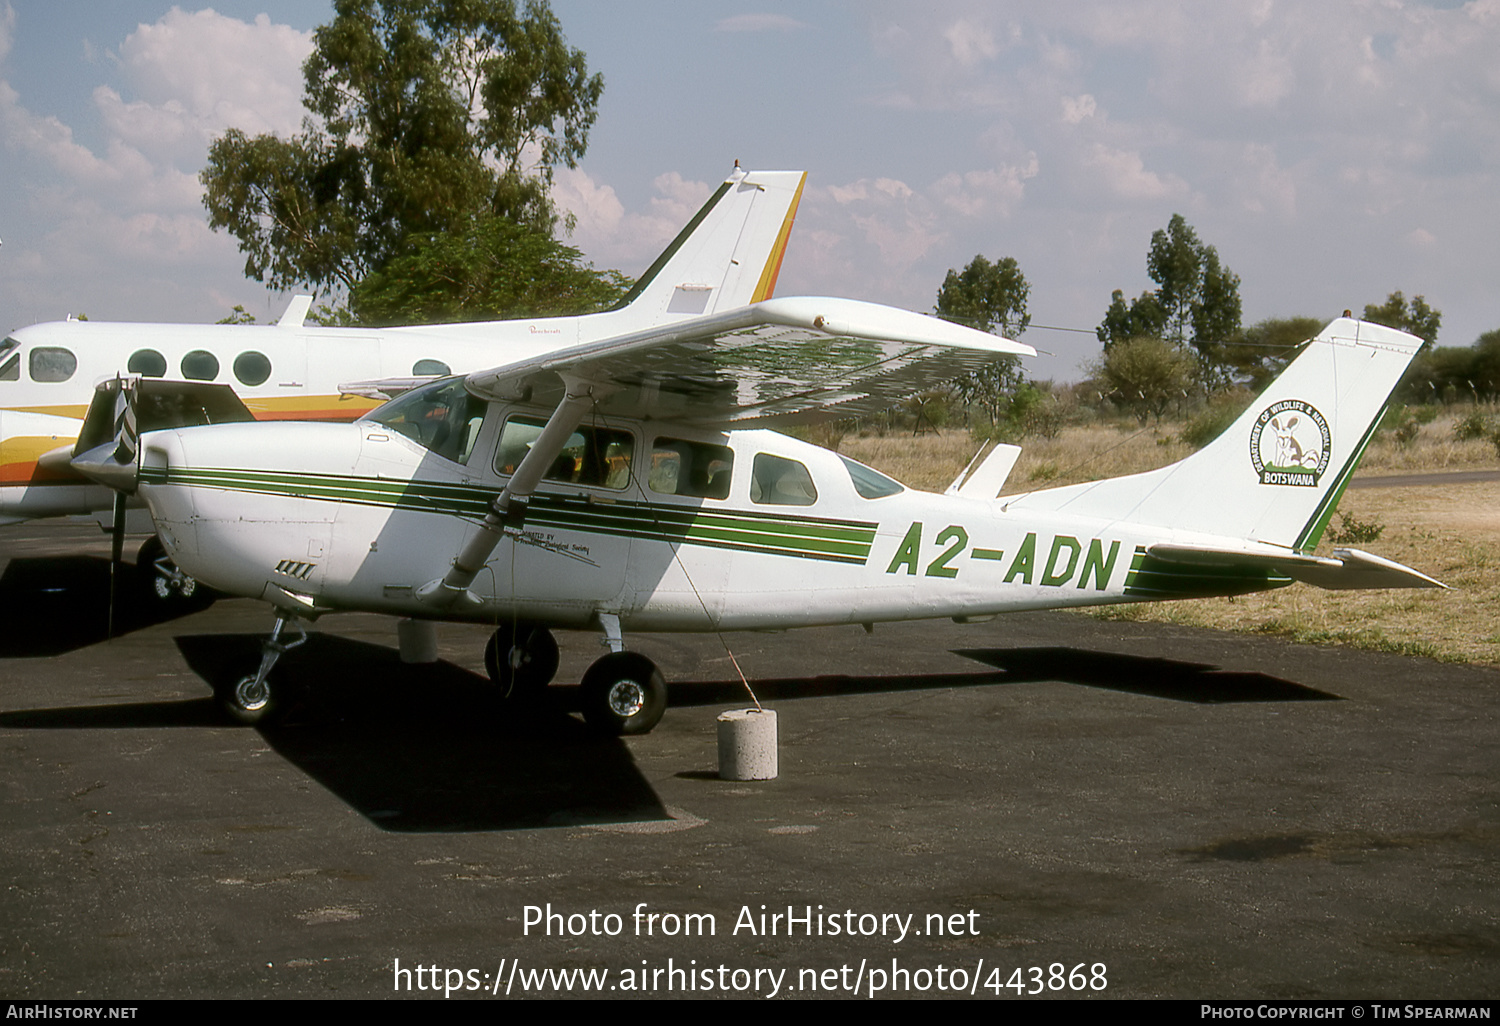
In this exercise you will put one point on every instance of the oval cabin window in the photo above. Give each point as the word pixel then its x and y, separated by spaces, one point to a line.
pixel 148 363
pixel 200 365
pixel 430 367
pixel 252 368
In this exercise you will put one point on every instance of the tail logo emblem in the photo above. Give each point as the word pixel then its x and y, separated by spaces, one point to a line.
pixel 1289 444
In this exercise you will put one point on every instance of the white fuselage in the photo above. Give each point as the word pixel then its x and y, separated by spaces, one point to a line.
pixel 369 516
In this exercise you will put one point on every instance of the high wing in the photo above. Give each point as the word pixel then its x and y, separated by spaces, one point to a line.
pixel 777 362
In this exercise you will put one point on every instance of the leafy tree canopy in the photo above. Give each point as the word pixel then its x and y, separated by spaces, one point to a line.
pixel 990 297
pixel 492 268
pixel 1264 349
pixel 423 115
pixel 1196 302
pixel 1146 375
pixel 1416 318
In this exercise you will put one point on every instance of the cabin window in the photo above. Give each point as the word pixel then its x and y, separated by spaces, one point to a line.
pixel 776 481
pixel 870 483
pixel 10 360
pixel 200 365
pixel 442 416
pixel 592 456
pixel 51 363
pixel 148 363
pixel 424 367
pixel 690 468
pixel 252 368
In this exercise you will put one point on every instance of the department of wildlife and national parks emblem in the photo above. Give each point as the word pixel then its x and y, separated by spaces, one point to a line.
pixel 1289 444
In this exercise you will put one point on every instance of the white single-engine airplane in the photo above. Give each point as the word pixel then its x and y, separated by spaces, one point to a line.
pixel 729 255
pixel 631 484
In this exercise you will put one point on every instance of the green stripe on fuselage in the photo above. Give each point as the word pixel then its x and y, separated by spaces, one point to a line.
pixel 844 541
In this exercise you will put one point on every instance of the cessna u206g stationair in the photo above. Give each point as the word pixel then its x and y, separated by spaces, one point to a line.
pixel 632 484
pixel 728 256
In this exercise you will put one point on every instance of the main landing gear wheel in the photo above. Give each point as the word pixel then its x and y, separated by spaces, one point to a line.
pixel 165 587
pixel 623 693
pixel 521 659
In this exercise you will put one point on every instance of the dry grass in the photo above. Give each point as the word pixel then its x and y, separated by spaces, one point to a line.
pixel 1450 532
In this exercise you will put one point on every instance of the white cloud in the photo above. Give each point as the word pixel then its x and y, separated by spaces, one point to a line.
pixel 1078 108
pixel 133 200
pixel 1124 174
pixel 759 23
pixel 970 43
pixel 608 234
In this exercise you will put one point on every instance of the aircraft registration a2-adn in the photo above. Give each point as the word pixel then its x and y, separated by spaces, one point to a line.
pixel 729 255
pixel 633 484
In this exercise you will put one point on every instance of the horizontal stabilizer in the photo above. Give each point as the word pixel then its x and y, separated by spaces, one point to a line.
pixel 983 480
pixel 1345 570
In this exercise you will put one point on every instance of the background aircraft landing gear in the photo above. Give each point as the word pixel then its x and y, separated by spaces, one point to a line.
pixel 167 589
pixel 521 659
pixel 623 693
pixel 255 700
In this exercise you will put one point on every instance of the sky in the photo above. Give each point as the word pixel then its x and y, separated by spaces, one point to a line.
pixel 1331 152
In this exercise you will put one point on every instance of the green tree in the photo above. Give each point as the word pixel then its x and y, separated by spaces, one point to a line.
pixel 492 268
pixel 1265 348
pixel 1416 318
pixel 1196 301
pixel 1146 375
pixel 990 297
pixel 423 115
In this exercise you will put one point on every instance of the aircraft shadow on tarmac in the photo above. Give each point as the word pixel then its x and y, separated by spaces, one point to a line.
pixel 57 604
pixel 1143 675
pixel 430 749
pixel 1139 675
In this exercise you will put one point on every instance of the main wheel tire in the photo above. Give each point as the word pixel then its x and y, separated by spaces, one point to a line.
pixel 623 694
pixel 249 705
pixel 170 596
pixel 521 659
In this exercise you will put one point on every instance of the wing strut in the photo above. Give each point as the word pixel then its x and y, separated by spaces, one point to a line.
pixel 508 512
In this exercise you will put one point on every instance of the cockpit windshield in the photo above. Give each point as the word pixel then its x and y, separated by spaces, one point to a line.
pixel 10 360
pixel 442 416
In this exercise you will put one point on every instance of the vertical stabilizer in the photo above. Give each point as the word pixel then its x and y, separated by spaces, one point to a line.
pixel 729 254
pixel 1277 473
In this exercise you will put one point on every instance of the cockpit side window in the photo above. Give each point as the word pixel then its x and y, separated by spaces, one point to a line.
pixel 592 456
pixel 52 363
pixel 443 417
pixel 777 481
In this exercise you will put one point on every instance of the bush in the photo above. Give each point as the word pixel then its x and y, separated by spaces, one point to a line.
pixel 1353 531
pixel 1475 425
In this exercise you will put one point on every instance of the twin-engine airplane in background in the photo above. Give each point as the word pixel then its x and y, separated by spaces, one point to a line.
pixel 728 256
pixel 632 483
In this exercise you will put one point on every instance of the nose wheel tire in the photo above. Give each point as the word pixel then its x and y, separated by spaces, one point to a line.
pixel 248 702
pixel 623 694
pixel 521 659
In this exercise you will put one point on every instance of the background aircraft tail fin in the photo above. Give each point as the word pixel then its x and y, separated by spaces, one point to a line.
pixel 729 254
pixel 1277 473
